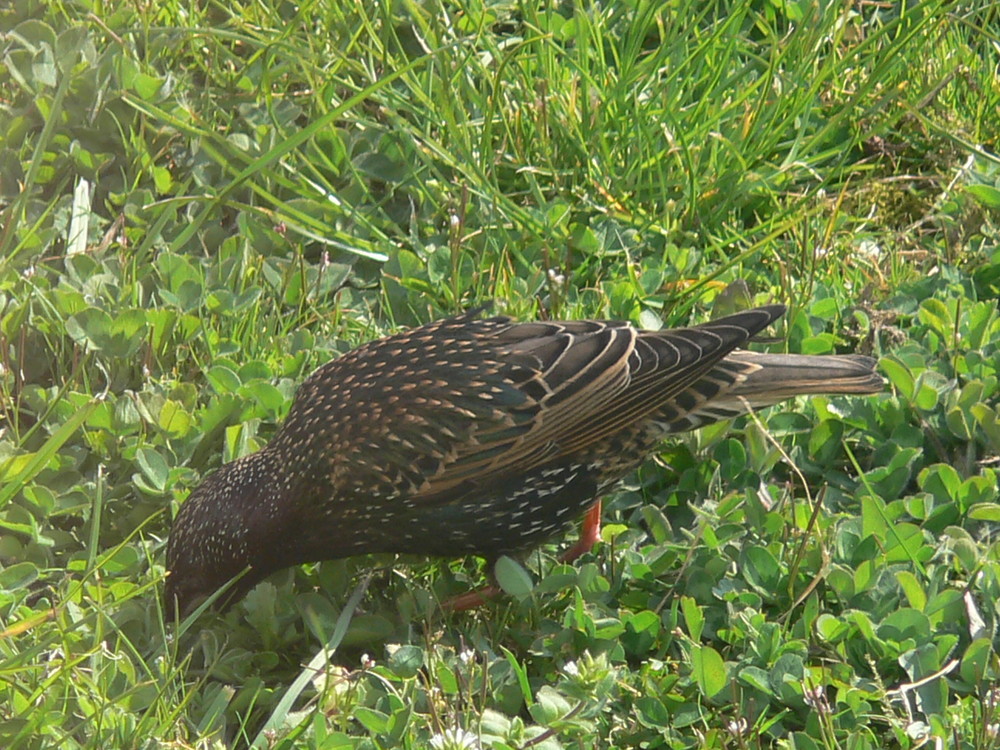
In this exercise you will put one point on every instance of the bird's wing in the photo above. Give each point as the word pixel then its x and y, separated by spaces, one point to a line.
pixel 578 383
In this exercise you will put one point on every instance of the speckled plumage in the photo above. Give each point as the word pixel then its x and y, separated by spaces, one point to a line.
pixel 474 436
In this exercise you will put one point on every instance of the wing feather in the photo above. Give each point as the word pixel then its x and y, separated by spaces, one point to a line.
pixel 584 381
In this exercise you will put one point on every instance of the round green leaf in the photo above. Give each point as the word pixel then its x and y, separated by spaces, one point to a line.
pixel 512 577
pixel 985 512
pixel 976 661
pixel 223 379
pixel 154 467
pixel 708 670
pixel 407 660
pixel 17 576
pixel 761 568
pixel 987 195
pixel 755 677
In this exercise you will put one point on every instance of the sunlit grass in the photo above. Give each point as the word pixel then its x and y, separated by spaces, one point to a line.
pixel 200 204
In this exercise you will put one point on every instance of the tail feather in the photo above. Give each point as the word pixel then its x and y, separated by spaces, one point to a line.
pixel 775 377
pixel 747 380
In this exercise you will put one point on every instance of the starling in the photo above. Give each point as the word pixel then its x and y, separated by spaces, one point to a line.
pixel 475 435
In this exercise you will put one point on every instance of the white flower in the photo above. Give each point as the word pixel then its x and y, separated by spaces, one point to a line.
pixel 993 698
pixel 869 249
pixel 917 730
pixel 815 698
pixel 455 739
pixel 571 669
pixel 737 727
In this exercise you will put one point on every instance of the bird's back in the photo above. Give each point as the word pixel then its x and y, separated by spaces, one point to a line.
pixel 487 435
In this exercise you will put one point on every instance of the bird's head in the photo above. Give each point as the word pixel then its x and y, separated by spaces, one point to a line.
pixel 227 527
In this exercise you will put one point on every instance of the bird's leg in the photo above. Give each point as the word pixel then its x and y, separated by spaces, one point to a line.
pixel 471 599
pixel 590 532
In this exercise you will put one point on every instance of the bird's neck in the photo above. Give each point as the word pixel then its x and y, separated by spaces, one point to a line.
pixel 285 516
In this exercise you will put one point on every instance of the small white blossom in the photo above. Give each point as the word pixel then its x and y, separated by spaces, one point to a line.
pixel 555 277
pixel 870 249
pixel 993 698
pixel 737 727
pixel 917 730
pixel 815 698
pixel 455 738
pixel 812 696
pixel 571 669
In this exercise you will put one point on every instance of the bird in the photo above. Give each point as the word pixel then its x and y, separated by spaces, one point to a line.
pixel 475 435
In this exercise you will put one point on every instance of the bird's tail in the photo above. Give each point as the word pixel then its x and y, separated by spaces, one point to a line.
pixel 747 380
pixel 770 378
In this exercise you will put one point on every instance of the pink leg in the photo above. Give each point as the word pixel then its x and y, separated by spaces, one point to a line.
pixel 471 600
pixel 590 532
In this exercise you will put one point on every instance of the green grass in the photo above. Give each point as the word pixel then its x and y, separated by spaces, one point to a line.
pixel 200 204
